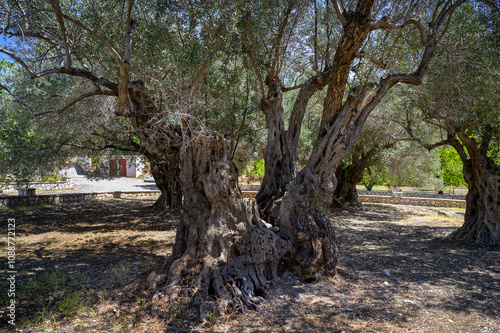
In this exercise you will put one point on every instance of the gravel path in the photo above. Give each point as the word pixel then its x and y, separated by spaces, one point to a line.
pixel 82 184
pixel 85 185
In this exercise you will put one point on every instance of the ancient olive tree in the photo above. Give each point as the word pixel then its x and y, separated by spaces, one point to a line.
pixel 222 247
pixel 378 135
pixel 154 57
pixel 461 100
pixel 362 68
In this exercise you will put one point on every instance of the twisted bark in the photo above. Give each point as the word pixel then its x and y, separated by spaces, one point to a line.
pixel 223 250
pixel 348 177
pixel 482 212
pixel 281 159
pixel 166 173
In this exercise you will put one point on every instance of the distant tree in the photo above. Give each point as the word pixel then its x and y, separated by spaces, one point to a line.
pixel 461 99
pixel 378 135
pixel 374 175
pixel 27 154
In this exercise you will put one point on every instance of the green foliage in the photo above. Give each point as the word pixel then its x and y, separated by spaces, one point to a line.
pixel 451 165
pixel 374 175
pixel 25 155
pixel 257 169
pixel 51 177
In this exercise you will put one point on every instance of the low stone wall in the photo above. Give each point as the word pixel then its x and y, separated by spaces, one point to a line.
pixel 44 199
pixel 414 195
pixel 433 202
pixel 250 187
pixel 14 200
pixel 41 186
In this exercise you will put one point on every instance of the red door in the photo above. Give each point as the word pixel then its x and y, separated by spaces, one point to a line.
pixel 123 167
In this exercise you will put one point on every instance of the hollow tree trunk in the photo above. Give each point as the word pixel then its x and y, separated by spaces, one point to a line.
pixel 223 250
pixel 166 172
pixel 482 213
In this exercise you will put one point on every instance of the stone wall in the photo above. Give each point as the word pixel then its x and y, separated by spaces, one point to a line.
pixel 413 195
pixel 433 202
pixel 45 199
pixel 40 186
pixel 14 200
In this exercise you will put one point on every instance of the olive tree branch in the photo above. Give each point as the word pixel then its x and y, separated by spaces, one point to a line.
pixel 76 100
pixel 383 23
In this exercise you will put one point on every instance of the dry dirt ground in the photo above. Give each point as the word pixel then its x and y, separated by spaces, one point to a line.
pixel 396 275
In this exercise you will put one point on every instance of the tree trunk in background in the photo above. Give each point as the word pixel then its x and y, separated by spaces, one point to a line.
pixel 482 213
pixel 348 177
pixel 166 172
pixel 160 143
pixel 223 250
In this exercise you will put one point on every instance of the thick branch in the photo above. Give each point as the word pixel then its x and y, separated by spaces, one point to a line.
pixel 338 11
pixel 206 65
pixel 384 24
pixel 279 39
pixel 254 64
pixel 430 147
pixel 80 73
pixel 127 61
pixel 285 89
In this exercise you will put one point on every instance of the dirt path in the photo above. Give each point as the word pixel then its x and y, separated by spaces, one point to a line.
pixel 396 275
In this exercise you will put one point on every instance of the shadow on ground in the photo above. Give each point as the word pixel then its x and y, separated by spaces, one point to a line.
pixel 396 274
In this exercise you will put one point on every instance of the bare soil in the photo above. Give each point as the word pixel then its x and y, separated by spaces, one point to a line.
pixel 75 264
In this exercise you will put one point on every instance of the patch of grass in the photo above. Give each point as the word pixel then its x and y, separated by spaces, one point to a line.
pixel 70 304
pixel 51 281
pixel 43 314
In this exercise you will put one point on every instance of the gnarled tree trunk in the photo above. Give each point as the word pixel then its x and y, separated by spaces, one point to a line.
pixel 482 213
pixel 281 159
pixel 223 250
pixel 166 172
pixel 160 144
pixel 348 176
pixel 303 219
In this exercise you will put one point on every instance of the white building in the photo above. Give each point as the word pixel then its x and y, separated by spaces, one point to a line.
pixel 115 166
